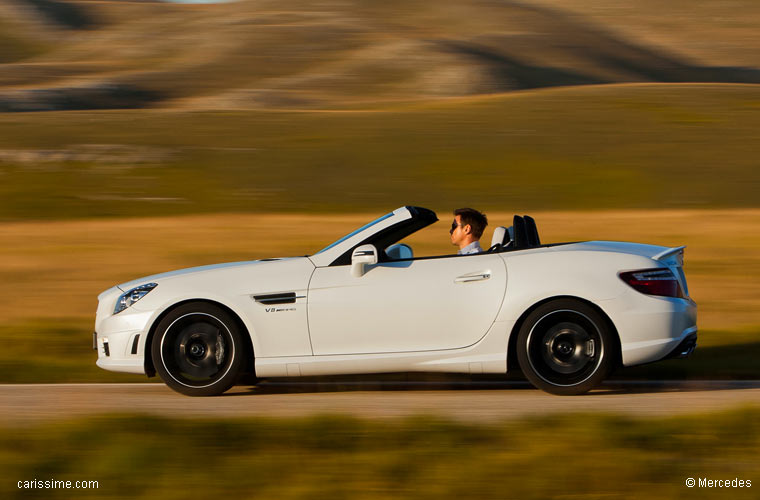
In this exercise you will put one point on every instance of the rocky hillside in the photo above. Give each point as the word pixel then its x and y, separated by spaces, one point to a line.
pixel 90 54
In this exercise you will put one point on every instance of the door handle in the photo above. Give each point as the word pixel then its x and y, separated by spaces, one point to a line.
pixel 468 278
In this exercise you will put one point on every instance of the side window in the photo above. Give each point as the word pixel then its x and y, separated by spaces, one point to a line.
pixel 435 241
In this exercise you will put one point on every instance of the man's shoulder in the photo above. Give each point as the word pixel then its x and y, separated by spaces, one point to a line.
pixel 472 248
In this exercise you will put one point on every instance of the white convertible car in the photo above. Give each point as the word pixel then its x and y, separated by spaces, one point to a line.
pixel 565 313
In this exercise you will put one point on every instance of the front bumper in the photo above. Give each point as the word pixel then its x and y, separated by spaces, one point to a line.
pixel 120 340
pixel 117 352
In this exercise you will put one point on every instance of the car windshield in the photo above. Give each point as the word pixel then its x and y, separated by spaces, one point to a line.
pixel 353 233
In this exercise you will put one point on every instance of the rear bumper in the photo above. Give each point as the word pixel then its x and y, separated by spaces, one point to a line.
pixel 685 348
pixel 654 328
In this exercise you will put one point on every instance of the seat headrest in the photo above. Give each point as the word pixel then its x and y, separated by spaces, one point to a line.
pixel 520 236
pixel 532 231
pixel 500 236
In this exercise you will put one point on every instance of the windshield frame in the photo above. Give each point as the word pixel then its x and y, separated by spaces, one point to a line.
pixel 355 232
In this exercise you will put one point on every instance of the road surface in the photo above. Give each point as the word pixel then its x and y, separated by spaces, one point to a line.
pixel 464 401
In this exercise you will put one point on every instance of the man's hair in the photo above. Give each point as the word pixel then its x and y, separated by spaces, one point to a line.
pixel 475 219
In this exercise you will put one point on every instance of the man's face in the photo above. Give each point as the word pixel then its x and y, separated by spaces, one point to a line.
pixel 458 232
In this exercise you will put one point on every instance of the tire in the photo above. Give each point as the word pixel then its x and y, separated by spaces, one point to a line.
pixel 566 347
pixel 198 349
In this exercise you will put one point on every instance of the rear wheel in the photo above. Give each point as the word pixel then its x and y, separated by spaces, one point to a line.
pixel 198 350
pixel 566 347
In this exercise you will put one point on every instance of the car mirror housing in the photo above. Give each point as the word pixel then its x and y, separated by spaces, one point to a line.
pixel 360 257
pixel 399 251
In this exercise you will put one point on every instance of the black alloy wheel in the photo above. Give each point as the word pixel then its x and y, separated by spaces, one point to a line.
pixel 198 350
pixel 566 347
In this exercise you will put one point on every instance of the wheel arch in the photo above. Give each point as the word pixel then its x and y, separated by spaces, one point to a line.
pixel 250 367
pixel 512 346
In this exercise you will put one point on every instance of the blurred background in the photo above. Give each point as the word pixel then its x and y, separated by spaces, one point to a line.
pixel 140 136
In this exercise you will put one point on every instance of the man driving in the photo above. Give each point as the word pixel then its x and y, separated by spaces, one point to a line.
pixel 466 230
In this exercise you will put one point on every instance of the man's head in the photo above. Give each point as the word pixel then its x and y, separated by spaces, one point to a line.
pixel 467 227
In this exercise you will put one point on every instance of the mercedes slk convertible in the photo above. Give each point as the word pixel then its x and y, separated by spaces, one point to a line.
pixel 566 314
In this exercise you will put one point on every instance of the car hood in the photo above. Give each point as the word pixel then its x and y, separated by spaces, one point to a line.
pixel 155 278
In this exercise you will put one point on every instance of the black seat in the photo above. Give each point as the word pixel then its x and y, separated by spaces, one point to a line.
pixel 532 231
pixel 521 235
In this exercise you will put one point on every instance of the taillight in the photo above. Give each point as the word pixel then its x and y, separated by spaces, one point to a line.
pixel 659 281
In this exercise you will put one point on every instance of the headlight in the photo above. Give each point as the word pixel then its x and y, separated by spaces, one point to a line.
pixel 130 297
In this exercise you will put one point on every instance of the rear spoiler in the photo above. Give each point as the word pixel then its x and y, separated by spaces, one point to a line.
pixel 667 253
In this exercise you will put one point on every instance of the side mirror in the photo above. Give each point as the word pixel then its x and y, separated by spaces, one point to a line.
pixel 360 257
pixel 399 251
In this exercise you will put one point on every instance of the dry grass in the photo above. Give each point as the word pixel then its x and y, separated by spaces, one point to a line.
pixel 424 458
pixel 53 270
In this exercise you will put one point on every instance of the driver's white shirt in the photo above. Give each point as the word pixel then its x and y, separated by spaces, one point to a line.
pixel 473 247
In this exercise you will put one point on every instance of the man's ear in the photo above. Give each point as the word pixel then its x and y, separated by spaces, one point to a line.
pixel 467 229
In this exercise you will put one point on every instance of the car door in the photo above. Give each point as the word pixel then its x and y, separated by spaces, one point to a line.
pixel 403 306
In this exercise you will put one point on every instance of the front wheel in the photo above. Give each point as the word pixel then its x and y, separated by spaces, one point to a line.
pixel 566 347
pixel 198 350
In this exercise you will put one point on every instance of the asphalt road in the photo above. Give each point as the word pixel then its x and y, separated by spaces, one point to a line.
pixel 466 401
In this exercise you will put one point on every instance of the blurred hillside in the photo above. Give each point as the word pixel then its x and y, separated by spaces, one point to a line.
pixel 618 146
pixel 101 54
pixel 343 106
